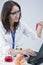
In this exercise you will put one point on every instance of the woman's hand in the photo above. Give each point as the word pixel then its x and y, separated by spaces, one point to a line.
pixel 15 52
pixel 30 52
pixel 11 51
pixel 40 23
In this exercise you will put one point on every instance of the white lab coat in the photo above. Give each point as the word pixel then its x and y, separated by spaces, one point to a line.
pixel 6 38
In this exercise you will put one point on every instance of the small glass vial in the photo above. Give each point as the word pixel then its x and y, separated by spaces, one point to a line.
pixel 39 30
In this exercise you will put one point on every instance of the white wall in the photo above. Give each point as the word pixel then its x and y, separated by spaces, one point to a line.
pixel 32 12
pixel 1 4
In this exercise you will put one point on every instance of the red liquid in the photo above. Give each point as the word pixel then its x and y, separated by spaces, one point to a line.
pixel 8 59
pixel 36 26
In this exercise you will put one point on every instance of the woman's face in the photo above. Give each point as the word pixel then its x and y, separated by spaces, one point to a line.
pixel 14 15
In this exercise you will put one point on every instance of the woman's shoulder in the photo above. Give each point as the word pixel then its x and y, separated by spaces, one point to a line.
pixel 22 25
pixel 1 26
pixel 0 22
pixel 25 26
pixel 2 29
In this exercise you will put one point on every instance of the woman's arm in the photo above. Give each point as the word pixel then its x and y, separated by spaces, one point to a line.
pixel 28 32
pixel 14 52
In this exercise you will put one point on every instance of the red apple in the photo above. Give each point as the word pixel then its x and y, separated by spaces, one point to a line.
pixel 8 59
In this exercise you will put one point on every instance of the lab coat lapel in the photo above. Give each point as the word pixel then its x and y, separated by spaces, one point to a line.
pixel 8 38
pixel 18 35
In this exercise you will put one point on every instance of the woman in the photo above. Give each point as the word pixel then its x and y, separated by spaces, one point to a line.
pixel 11 29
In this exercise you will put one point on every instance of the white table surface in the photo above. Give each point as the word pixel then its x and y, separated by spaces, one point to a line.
pixel 9 63
pixel 6 63
pixel 2 62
